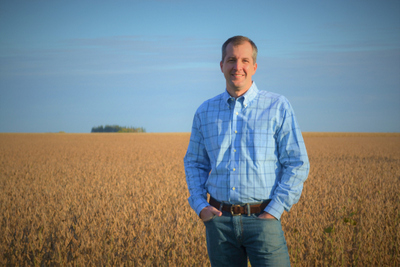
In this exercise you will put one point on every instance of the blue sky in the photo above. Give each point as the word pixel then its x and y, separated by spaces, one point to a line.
pixel 71 65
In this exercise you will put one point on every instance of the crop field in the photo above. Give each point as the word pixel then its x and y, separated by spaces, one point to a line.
pixel 121 200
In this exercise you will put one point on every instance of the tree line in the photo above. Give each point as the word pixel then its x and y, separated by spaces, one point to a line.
pixel 117 129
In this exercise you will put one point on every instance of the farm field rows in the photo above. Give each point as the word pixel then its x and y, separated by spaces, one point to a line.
pixel 121 199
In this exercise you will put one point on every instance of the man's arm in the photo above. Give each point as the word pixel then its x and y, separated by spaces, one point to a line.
pixel 197 168
pixel 294 161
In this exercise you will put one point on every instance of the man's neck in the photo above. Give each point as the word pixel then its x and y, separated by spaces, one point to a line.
pixel 237 93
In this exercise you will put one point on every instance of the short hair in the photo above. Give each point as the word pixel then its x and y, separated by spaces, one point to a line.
pixel 238 40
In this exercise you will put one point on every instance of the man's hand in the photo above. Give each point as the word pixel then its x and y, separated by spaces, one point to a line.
pixel 266 215
pixel 208 212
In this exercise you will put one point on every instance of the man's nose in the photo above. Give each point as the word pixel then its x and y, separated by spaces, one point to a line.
pixel 238 65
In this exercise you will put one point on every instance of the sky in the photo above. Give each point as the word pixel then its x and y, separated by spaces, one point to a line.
pixel 73 65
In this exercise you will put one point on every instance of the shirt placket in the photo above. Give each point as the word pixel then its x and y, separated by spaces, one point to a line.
pixel 234 153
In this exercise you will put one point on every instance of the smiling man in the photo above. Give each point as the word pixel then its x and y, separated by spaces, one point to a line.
pixel 247 152
pixel 238 66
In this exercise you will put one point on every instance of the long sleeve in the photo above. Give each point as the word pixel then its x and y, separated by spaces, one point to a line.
pixel 197 168
pixel 292 156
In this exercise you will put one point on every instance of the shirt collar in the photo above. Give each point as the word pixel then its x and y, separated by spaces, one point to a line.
pixel 248 96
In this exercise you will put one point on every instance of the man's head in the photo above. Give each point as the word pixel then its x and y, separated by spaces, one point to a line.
pixel 238 64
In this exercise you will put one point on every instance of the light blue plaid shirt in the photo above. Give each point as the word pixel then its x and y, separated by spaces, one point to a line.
pixel 246 150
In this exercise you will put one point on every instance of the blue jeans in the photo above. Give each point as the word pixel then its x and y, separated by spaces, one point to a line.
pixel 233 239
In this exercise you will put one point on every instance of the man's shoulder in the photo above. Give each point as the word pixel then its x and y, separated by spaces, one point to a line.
pixel 271 95
pixel 211 103
pixel 272 98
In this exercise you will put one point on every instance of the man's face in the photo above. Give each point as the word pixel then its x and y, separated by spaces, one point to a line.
pixel 238 68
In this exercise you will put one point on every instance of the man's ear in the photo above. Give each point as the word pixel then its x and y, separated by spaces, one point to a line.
pixel 221 65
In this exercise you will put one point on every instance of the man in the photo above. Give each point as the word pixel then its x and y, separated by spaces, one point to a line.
pixel 247 152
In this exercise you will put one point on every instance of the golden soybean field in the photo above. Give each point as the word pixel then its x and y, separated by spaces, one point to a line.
pixel 121 200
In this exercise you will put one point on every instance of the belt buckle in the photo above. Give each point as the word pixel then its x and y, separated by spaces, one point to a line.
pixel 232 211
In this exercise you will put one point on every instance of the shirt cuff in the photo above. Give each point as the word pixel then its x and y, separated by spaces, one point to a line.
pixel 198 205
pixel 275 209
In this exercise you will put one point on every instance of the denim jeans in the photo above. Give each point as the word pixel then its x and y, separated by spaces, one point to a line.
pixel 231 240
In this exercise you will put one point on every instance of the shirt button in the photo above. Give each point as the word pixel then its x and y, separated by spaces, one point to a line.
pixel 235 131
pixel 237 113
pixel 234 150
pixel 233 188
pixel 234 169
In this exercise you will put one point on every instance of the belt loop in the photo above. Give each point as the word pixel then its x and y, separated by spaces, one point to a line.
pixel 248 209
pixel 220 206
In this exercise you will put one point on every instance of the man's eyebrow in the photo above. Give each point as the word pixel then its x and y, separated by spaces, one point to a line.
pixel 234 57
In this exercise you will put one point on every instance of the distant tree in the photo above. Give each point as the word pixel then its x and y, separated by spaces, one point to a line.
pixel 117 129
pixel 98 129
pixel 109 129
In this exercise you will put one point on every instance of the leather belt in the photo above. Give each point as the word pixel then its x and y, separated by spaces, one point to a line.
pixel 239 209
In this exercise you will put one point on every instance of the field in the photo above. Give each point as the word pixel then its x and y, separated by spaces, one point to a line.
pixel 121 199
